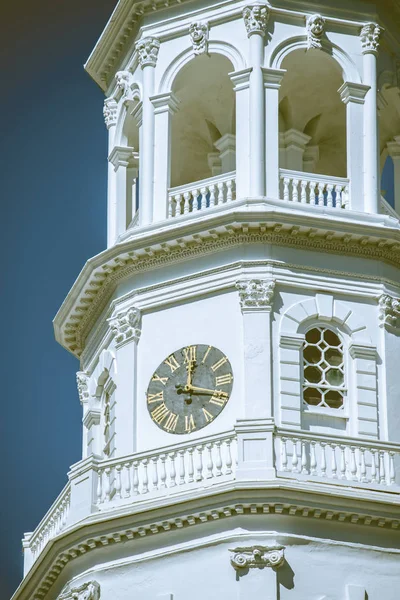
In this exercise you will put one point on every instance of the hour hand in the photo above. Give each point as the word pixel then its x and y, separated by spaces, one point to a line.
pixel 194 388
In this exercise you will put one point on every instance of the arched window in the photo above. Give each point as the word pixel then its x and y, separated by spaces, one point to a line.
pixel 324 383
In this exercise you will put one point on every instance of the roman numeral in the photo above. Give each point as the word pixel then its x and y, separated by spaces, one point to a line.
pixel 190 425
pixel 219 364
pixel 206 354
pixel 160 413
pixel 171 422
pixel 172 363
pixel 159 397
pixel 207 415
pixel 162 380
pixel 219 398
pixel 223 380
pixel 189 354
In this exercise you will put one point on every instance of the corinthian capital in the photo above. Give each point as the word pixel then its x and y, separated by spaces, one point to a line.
pixel 389 311
pixel 370 34
pixel 257 557
pixel 110 112
pixel 82 380
pixel 256 19
pixel 148 51
pixel 126 326
pixel 256 293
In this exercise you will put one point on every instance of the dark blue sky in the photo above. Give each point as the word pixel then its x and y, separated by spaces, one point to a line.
pixel 53 147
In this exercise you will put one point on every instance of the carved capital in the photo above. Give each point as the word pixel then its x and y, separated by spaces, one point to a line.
pixel 257 557
pixel 82 380
pixel 110 112
pixel 198 32
pixel 148 51
pixel 370 34
pixel 256 19
pixel 126 326
pixel 87 591
pixel 315 29
pixel 256 293
pixel 389 311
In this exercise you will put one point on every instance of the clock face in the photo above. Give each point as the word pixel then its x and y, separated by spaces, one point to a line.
pixel 189 389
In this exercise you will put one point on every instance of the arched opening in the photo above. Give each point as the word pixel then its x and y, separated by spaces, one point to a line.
pixel 387 181
pixel 131 139
pixel 203 129
pixel 389 138
pixel 312 128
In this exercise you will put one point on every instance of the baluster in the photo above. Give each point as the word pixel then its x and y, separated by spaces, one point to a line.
pixel 373 468
pixel 221 198
pixel 195 200
pixel 286 195
pixel 178 205
pixel 99 491
pixel 323 459
pixel 303 457
pixel 65 514
pixel 170 207
pixel 333 461
pixel 213 189
pixel 382 478
pixel 107 487
pixel 229 193
pixel 295 458
pixel 199 467
pixel 313 193
pixel 135 478
pixel 228 457
pixel 342 462
pixel 363 468
pixel 329 198
pixel 313 459
pixel 190 465
pixel 353 463
pixel 163 472
pixel 154 460
pixel 118 481
pixel 145 481
pixel 209 461
pixel 181 467
pixel 284 454
pixel 218 462
pixel 203 198
pixel 172 470
pixel 321 187
pixel 186 205
pixel 303 192
pixel 392 473
pixel 345 197
pixel 295 190
pixel 127 480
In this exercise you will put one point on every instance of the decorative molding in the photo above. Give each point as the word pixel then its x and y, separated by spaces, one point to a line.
pixel 389 311
pixel 198 32
pixel 82 380
pixel 147 50
pixel 127 88
pixel 256 19
pixel 256 294
pixel 110 112
pixel 126 326
pixel 370 35
pixel 87 591
pixel 353 92
pixel 122 156
pixel 258 557
pixel 315 29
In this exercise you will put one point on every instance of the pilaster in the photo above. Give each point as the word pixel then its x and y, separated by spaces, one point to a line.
pixel 272 83
pixel 290 393
pixel 125 162
pixel 394 152
pixel 226 145
pixel 366 392
pixel 389 320
pixel 255 444
pixel 83 479
pixel 241 83
pixel 110 118
pixel 295 143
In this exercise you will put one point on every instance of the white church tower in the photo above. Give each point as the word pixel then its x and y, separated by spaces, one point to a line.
pixel 239 338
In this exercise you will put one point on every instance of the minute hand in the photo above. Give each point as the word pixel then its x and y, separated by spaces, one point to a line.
pixel 199 389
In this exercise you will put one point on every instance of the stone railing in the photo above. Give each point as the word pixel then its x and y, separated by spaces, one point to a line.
pixel 310 188
pixel 200 195
pixel 346 460
pixel 199 463
pixel 52 523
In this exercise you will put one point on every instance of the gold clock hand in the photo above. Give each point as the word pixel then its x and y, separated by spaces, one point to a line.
pixel 193 388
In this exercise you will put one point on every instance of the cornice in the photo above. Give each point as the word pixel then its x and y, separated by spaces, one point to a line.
pixel 150 518
pixel 249 222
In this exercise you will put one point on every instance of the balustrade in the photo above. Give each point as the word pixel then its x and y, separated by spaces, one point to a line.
pixel 317 190
pixel 200 195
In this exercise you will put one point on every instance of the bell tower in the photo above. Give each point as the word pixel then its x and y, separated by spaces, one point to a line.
pixel 239 337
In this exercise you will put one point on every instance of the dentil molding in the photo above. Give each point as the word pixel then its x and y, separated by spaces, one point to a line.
pixel 126 326
pixel 87 591
pixel 198 32
pixel 82 380
pixel 256 19
pixel 257 557
pixel 315 29
pixel 370 34
pixel 147 50
pixel 256 293
pixel 389 311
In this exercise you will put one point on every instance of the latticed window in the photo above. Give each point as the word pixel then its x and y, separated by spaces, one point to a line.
pixel 323 363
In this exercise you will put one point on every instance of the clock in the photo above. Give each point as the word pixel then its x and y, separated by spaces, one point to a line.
pixel 189 389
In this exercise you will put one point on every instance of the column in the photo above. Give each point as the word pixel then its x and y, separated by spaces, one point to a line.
pixel 240 80
pixel 147 53
pixel 110 118
pixel 256 20
pixel 353 96
pixel 255 430
pixel 165 106
pixel 122 158
pixel 394 152
pixel 272 84
pixel 370 34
